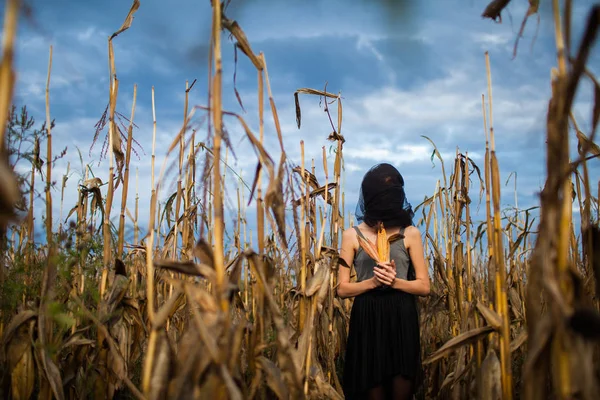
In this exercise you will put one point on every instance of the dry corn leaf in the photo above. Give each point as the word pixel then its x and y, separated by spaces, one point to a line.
pixel 128 20
pixel 187 268
pixel 368 248
pixel 516 303
pixel 518 341
pixel 494 9
pixel 325 389
pixel 52 374
pixel 318 279
pixel 491 316
pixel 232 389
pixel 15 323
pixel 274 378
pixel 380 251
pixel 460 340
pixel 275 201
pixel 167 309
pixel 204 252
pixel 242 41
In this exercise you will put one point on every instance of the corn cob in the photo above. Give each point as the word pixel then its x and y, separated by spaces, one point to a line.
pixel 383 246
pixel 380 251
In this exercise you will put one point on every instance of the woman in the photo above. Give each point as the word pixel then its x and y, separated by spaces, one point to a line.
pixel 383 348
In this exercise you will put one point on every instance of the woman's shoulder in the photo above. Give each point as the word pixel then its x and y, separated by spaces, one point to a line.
pixel 349 232
pixel 412 233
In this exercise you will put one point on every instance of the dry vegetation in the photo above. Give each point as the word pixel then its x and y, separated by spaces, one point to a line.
pixel 180 313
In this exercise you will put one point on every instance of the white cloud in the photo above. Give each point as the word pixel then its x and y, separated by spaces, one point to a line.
pixel 87 34
pixel 492 38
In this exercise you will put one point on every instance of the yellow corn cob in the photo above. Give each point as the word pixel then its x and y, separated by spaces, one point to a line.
pixel 380 251
pixel 383 246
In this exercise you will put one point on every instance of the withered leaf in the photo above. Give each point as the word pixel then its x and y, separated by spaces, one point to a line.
pixel 460 340
pixel 204 252
pixel 491 316
pixel 275 201
pixel 128 20
pixel 52 374
pixel 298 110
pixel 234 391
pixel 533 9
pixel 187 268
pixel 518 341
pixel 318 279
pixel 494 9
pixel 167 309
pixel 15 323
pixel 274 377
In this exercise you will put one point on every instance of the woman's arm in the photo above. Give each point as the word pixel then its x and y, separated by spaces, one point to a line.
pixel 387 272
pixel 345 287
pixel 420 286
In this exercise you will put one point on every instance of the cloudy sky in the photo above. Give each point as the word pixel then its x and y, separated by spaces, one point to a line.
pixel 403 72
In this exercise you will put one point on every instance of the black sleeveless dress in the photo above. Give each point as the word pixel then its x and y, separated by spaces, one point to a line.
pixel 383 339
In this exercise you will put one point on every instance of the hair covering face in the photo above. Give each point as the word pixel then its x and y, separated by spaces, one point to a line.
pixel 382 198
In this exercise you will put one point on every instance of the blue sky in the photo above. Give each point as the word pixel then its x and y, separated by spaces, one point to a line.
pixel 402 72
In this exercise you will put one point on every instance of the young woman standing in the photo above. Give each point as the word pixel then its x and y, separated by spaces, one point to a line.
pixel 383 353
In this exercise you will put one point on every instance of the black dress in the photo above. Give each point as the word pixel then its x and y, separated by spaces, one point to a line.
pixel 383 339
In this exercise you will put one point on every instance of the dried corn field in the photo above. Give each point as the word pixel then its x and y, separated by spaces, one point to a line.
pixel 190 307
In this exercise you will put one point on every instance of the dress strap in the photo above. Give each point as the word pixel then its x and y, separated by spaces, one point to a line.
pixel 359 232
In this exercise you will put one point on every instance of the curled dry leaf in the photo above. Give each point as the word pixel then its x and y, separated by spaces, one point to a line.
pixel 318 279
pixel 368 248
pixel 92 183
pixel 491 316
pixel 274 377
pixel 515 303
pixel 52 374
pixel 203 251
pixel 167 310
pixel 15 324
pixel 460 340
pixel 275 201
pixel 380 252
pixel 325 389
pixel 518 341
pixel 187 268
pixel 232 389
pixel 494 9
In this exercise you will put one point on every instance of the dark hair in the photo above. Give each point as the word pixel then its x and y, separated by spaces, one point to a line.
pixel 382 198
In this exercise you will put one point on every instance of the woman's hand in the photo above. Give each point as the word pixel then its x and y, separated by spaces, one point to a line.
pixel 385 273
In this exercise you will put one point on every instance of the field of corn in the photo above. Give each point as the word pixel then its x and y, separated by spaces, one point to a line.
pixel 190 307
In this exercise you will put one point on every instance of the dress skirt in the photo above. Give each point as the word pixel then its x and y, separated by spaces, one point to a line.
pixel 383 341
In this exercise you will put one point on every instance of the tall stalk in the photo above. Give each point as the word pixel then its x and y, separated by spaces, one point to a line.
pixel 125 188
pixel 500 266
